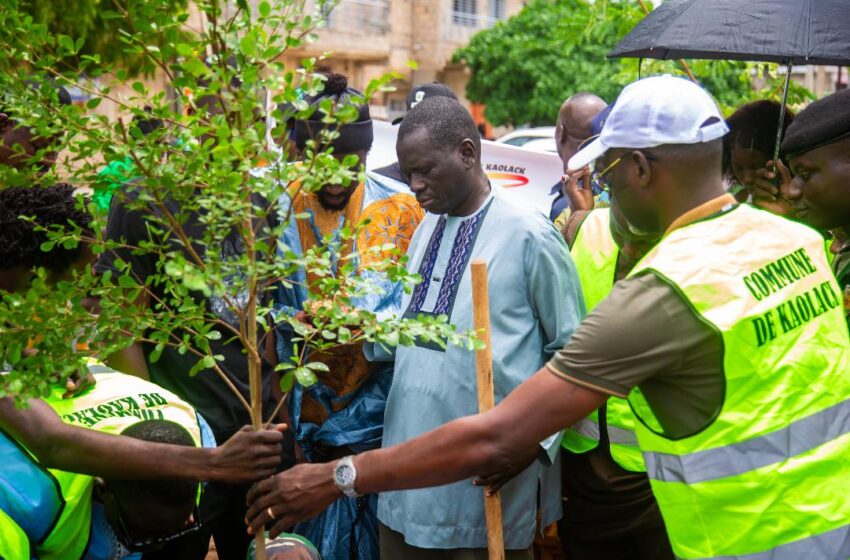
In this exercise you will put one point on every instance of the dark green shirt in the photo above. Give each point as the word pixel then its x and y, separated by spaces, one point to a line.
pixel 645 334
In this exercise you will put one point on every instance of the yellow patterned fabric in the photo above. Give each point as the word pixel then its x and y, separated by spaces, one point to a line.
pixel 392 221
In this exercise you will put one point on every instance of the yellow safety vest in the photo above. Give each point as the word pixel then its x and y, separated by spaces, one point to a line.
pixel 595 253
pixel 14 544
pixel 115 403
pixel 769 477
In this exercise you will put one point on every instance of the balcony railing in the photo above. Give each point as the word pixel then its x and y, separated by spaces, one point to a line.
pixel 359 16
pixel 459 27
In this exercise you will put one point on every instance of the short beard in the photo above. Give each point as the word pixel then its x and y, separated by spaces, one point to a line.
pixel 332 206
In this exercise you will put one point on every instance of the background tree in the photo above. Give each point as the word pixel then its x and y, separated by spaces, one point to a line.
pixel 523 68
pixel 94 23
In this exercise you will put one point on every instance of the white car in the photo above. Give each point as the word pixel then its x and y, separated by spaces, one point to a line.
pixel 540 138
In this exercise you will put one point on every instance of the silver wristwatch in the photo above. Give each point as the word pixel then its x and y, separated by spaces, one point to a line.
pixel 345 476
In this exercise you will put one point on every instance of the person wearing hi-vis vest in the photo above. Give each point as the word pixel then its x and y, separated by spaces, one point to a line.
pixel 728 338
pixel 69 516
pixel 609 509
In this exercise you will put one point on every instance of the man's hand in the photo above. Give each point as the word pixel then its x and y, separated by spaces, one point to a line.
pixel 576 187
pixel 79 383
pixel 283 500
pixel 495 480
pixel 767 195
pixel 248 455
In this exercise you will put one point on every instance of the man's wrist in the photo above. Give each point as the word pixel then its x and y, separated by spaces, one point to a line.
pixel 333 489
pixel 345 476
pixel 210 463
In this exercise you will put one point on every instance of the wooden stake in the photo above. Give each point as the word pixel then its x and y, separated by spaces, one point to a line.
pixel 486 398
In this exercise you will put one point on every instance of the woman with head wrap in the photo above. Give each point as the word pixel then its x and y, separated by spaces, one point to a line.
pixel 749 147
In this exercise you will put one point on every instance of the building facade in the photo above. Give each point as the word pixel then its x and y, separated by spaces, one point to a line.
pixel 371 38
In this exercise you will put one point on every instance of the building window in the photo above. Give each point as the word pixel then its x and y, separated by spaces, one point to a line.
pixel 324 14
pixel 464 12
pixel 497 10
pixel 366 16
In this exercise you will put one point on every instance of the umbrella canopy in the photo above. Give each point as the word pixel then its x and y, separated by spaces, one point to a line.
pixel 783 31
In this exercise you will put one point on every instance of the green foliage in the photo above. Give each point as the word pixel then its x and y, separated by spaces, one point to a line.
pixel 209 160
pixel 730 82
pixel 98 24
pixel 524 68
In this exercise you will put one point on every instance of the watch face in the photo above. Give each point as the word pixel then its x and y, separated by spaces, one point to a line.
pixel 344 475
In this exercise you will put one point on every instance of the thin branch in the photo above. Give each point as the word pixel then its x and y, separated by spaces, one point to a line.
pixel 275 413
pixel 135 39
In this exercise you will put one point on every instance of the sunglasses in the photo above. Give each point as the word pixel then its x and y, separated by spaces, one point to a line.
pixel 600 177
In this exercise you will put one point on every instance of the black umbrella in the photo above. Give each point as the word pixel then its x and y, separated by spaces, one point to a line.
pixel 784 31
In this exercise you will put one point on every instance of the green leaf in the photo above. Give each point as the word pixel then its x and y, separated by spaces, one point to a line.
pixel 127 281
pixel 248 45
pixel 93 102
pixel 317 366
pixel 209 362
pixel 66 43
pixel 287 381
pixel 194 67
pixel 344 335
pixel 184 49
pixel 156 353
pixel 305 377
pixel 264 8
pixel 15 353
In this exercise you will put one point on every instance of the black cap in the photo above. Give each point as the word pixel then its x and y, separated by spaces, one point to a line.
pixel 417 94
pixel 823 122
pixel 353 136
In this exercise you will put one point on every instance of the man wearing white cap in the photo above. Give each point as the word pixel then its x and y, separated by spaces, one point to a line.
pixel 727 339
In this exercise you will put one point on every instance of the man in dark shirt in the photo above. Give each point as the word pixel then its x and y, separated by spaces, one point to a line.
pixel 222 508
pixel 609 511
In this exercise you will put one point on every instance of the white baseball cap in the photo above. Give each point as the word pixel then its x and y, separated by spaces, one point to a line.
pixel 653 112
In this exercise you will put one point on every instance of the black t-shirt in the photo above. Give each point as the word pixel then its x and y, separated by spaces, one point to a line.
pixel 602 499
pixel 206 391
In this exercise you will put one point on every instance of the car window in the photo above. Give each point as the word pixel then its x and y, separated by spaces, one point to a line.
pixel 517 141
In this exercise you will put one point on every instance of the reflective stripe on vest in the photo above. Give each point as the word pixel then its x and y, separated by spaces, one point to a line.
pixel 769 477
pixel 116 402
pixel 595 253
pixel 731 460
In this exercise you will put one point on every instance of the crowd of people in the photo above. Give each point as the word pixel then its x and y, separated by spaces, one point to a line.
pixel 670 349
